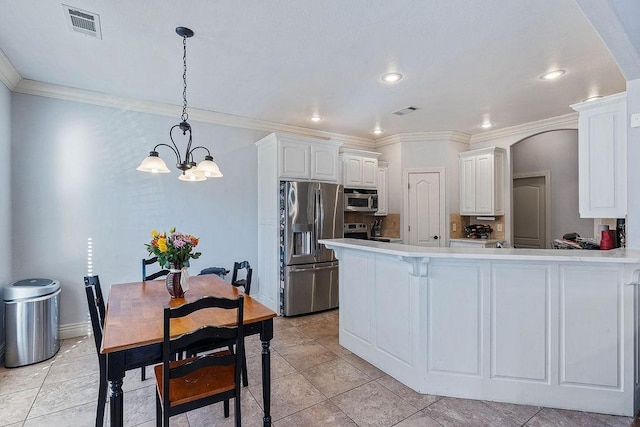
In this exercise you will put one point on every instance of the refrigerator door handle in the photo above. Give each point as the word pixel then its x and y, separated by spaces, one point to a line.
pixel 316 221
pixel 302 270
pixel 320 221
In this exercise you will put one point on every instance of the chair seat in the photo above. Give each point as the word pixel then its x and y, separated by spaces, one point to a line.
pixel 197 385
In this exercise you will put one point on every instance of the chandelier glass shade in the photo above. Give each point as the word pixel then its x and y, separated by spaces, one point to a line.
pixel 191 171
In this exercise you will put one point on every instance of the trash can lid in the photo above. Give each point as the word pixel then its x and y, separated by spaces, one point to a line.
pixel 30 288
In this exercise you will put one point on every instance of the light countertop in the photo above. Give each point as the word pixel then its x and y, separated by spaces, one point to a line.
pixel 620 255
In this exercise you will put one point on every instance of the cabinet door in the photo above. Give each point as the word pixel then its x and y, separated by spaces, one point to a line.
pixel 484 184
pixel 602 146
pixel 467 185
pixel 324 163
pixel 352 171
pixel 294 160
pixel 369 172
pixel 382 190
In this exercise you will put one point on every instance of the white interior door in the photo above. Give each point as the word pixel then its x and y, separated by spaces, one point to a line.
pixel 424 209
pixel 529 212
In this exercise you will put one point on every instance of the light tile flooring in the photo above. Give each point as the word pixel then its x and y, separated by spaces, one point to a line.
pixel 315 383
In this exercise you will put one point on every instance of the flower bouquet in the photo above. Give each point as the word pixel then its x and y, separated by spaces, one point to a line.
pixel 174 250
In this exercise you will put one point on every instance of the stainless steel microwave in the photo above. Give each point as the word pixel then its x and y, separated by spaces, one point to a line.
pixel 360 200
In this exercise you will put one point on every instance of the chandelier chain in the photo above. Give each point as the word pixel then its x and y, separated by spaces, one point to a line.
pixel 184 116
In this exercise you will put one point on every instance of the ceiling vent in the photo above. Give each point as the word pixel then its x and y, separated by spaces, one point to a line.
pixel 84 22
pixel 405 111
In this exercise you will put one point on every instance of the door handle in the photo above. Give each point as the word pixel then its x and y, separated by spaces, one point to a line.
pixel 436 237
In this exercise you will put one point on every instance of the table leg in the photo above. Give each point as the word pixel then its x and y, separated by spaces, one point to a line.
pixel 265 336
pixel 115 375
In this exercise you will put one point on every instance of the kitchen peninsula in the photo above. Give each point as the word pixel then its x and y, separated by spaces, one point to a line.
pixel 555 328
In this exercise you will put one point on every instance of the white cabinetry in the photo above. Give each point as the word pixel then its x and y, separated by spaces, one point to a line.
pixel 383 186
pixel 602 157
pixel 307 158
pixel 283 157
pixel 360 169
pixel 482 181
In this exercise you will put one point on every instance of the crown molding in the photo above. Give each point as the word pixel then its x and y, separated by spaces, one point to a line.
pixel 451 136
pixel 33 87
pixel 8 73
pixel 569 121
pixel 605 100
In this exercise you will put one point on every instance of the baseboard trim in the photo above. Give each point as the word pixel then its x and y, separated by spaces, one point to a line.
pixel 72 330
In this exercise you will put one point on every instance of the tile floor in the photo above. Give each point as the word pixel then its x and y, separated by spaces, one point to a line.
pixel 315 383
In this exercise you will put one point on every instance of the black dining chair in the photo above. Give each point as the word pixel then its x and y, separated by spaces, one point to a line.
pixel 203 379
pixel 135 357
pixel 152 276
pixel 244 282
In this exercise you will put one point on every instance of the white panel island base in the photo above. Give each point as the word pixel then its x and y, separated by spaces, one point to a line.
pixel 555 328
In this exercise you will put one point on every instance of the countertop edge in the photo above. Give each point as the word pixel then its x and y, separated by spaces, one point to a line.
pixel 620 255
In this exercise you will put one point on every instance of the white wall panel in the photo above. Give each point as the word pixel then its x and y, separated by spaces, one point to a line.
pixel 590 327
pixel 393 294
pixel 520 322
pixel 355 288
pixel 454 306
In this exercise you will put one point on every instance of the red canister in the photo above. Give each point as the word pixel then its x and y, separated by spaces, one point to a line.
pixel 607 240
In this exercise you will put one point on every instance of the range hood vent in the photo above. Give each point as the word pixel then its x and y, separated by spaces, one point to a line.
pixel 405 111
pixel 81 21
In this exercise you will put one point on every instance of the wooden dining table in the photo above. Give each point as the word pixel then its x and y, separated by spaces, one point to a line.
pixel 134 320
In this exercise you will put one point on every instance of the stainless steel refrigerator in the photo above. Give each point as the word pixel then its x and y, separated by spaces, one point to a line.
pixel 309 211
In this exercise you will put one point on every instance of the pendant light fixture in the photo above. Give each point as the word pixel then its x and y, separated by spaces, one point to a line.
pixel 207 168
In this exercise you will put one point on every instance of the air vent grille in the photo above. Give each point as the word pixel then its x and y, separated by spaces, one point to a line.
pixel 81 21
pixel 405 111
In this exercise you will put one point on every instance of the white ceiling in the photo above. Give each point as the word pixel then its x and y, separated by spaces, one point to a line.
pixel 463 61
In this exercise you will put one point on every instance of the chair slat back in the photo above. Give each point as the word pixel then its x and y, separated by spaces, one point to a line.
pixel 95 303
pixel 153 276
pixel 214 334
pixel 246 282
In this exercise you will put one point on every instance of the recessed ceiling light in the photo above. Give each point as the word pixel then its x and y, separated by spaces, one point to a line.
pixel 377 131
pixel 316 118
pixel 592 98
pixel 486 125
pixel 391 77
pixel 552 75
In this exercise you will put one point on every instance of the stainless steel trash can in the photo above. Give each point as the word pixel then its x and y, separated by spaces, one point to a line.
pixel 32 310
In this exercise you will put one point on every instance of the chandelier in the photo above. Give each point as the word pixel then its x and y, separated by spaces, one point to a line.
pixel 207 168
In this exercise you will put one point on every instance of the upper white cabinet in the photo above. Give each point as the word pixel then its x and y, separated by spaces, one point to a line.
pixel 482 181
pixel 602 157
pixel 360 169
pixel 383 188
pixel 307 158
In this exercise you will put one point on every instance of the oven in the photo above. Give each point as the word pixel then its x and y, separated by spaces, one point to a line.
pixel 356 230
pixel 359 230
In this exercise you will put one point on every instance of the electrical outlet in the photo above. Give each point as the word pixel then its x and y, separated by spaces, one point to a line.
pixel 499 227
pixel 454 227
